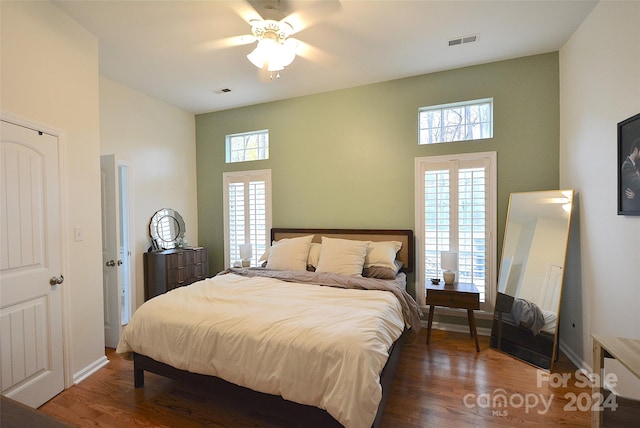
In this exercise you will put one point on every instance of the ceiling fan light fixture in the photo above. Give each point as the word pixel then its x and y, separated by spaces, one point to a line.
pixel 275 50
pixel 261 53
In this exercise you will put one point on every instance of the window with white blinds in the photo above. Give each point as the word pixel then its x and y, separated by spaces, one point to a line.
pixel 247 208
pixel 456 207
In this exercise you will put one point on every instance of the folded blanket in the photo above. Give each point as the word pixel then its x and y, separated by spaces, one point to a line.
pixel 410 309
pixel 528 315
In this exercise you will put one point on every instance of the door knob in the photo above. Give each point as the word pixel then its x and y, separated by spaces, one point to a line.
pixel 111 263
pixel 56 280
pixel 119 262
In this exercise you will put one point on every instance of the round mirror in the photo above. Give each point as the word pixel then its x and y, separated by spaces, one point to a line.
pixel 167 229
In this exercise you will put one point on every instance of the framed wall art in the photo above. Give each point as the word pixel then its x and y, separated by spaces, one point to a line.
pixel 629 166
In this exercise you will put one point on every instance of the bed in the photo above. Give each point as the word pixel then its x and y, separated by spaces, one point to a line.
pixel 307 329
pixel 530 316
pixel 524 330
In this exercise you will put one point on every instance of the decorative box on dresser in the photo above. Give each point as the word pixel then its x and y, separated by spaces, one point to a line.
pixel 169 269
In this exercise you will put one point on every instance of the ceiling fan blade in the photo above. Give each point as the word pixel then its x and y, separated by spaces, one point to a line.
pixel 307 51
pixel 312 14
pixel 272 9
pixel 227 42
pixel 245 10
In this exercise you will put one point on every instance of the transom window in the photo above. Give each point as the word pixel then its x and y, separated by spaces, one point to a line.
pixel 445 123
pixel 247 146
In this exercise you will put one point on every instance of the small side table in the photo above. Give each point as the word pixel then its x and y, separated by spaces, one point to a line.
pixel 457 295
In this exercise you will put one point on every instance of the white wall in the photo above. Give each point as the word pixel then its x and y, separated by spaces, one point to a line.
pixel 599 87
pixel 158 142
pixel 50 77
pixel 545 252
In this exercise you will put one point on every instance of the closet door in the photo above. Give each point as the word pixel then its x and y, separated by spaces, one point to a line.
pixel 31 279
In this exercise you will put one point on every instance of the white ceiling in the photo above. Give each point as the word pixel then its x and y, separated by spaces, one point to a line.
pixel 171 50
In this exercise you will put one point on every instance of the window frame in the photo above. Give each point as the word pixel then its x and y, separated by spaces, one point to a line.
pixel 246 177
pixel 450 106
pixel 430 163
pixel 245 135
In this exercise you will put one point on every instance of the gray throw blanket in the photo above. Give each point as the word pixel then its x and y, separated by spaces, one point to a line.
pixel 410 309
pixel 528 315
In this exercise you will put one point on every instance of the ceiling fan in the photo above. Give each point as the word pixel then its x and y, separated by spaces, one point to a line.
pixel 273 23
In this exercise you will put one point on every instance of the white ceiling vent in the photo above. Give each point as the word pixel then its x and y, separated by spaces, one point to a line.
pixel 463 40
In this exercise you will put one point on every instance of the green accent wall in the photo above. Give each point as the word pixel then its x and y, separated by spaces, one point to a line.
pixel 345 159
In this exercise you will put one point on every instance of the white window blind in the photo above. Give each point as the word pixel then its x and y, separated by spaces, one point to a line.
pixel 247 208
pixel 456 212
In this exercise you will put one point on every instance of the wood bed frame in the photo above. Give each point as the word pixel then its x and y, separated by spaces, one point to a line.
pixel 142 363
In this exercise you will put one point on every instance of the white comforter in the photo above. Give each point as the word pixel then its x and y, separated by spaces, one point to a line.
pixel 315 345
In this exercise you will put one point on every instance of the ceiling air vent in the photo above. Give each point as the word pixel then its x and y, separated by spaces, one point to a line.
pixel 463 40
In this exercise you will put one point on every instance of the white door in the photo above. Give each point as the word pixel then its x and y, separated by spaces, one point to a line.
pixel 111 262
pixel 31 280
pixel 550 299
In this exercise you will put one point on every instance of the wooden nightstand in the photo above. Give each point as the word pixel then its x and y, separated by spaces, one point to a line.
pixel 458 295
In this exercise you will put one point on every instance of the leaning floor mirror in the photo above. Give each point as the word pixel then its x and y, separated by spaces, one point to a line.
pixel 527 310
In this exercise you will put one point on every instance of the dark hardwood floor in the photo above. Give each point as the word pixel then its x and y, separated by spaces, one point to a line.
pixel 445 384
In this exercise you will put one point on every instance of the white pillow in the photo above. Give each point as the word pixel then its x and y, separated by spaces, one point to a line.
pixel 382 254
pixel 289 254
pixel 265 256
pixel 312 260
pixel 314 254
pixel 342 256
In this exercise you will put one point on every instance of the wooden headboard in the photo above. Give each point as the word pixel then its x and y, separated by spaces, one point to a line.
pixel 405 255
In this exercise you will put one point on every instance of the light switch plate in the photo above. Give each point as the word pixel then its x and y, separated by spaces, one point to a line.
pixel 78 233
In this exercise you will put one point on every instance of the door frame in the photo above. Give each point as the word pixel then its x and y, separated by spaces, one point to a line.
pixel 64 227
pixel 124 273
pixel 131 280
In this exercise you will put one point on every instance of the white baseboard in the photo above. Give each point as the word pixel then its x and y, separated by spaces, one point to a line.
pixel 582 365
pixel 90 369
pixel 574 358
